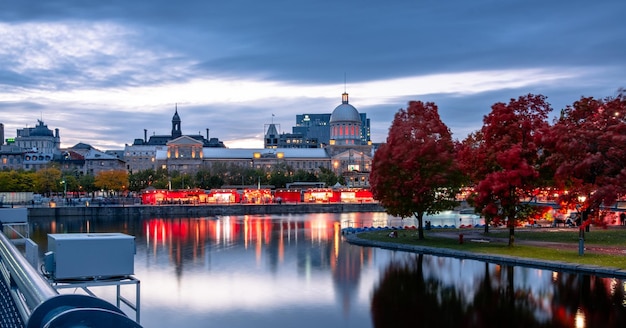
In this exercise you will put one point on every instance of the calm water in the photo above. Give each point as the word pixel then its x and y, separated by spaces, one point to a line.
pixel 296 271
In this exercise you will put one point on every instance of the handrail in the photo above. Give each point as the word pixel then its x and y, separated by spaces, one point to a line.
pixel 39 304
pixel 23 279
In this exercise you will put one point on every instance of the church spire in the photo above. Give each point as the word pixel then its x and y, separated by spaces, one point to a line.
pixel 176 129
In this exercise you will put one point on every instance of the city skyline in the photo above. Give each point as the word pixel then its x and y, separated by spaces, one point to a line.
pixel 103 72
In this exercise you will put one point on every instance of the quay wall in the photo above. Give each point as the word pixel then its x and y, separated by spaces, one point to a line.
pixel 166 211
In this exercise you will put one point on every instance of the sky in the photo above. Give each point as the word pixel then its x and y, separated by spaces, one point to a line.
pixel 103 71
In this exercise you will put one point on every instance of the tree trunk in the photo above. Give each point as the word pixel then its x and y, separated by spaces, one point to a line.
pixel 511 235
pixel 511 224
pixel 420 228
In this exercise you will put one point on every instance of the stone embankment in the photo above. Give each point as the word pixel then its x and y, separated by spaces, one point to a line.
pixel 191 210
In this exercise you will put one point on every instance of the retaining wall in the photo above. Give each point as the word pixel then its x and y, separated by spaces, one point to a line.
pixel 197 210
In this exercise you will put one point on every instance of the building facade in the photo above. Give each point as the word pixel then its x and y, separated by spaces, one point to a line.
pixel 315 131
pixel 149 153
pixel 32 148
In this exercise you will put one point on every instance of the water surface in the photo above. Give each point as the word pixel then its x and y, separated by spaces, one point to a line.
pixel 297 271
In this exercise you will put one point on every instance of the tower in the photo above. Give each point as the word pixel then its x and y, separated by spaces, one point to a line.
pixel 176 131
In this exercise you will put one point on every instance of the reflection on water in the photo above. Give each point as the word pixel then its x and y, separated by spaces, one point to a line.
pixel 296 270
pixel 445 292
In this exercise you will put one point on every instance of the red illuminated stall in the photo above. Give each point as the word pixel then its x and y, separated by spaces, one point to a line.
pixel 288 195
pixel 257 196
pixel 322 195
pixel 356 195
pixel 223 196
pixel 164 196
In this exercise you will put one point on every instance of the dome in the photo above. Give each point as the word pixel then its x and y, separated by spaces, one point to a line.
pixel 345 112
pixel 41 130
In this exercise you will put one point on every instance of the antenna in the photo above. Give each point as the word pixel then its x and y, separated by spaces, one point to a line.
pixel 344 82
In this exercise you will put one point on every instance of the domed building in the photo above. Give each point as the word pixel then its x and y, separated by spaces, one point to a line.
pixel 345 124
pixel 349 149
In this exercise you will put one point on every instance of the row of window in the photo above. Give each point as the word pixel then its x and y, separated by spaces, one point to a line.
pixel 37 158
pixel 350 130
pixel 11 160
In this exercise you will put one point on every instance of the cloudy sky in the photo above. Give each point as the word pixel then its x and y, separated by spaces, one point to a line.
pixel 103 71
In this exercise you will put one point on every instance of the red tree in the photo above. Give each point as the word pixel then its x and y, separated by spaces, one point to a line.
pixel 471 160
pixel 505 169
pixel 414 172
pixel 586 149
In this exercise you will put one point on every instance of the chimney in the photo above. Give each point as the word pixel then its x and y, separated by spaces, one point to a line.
pixel 145 135
pixel 207 134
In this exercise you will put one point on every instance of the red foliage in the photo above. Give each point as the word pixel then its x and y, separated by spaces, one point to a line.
pixel 585 148
pixel 502 158
pixel 414 172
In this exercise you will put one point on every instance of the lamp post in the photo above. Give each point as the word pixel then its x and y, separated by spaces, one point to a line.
pixel 581 232
pixel 64 183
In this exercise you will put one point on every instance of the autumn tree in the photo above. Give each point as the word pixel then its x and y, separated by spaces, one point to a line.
pixel 470 160
pixel 586 149
pixel 507 158
pixel 17 180
pixel 414 172
pixel 47 180
pixel 114 180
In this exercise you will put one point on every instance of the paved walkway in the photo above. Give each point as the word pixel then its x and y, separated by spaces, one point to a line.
pixel 475 235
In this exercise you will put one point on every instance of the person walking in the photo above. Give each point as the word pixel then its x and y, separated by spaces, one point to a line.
pixel 622 219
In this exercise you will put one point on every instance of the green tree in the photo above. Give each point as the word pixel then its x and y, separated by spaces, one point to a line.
pixel 86 183
pixel 305 176
pixel 71 182
pixel 328 176
pixel 141 180
pixel 280 175
pixel 414 172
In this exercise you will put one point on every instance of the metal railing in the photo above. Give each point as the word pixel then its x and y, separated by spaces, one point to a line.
pixel 39 304
pixel 27 287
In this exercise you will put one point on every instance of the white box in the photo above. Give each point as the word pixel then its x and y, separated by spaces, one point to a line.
pixel 91 255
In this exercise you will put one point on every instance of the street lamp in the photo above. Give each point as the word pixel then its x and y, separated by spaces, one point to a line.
pixel 581 232
pixel 64 183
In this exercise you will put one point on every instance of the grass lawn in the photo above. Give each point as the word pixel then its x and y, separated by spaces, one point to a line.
pixel 596 237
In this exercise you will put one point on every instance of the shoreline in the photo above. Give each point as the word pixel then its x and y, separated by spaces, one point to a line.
pixel 606 272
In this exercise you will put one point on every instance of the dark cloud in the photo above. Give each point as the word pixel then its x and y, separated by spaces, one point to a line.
pixel 156 43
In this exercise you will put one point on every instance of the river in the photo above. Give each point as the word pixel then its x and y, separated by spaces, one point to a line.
pixel 297 271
